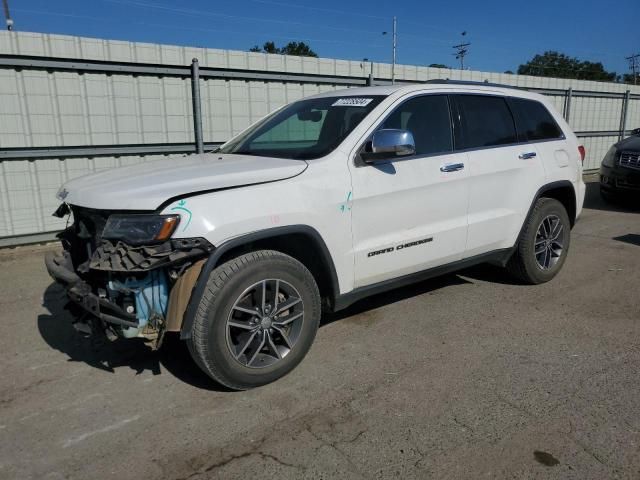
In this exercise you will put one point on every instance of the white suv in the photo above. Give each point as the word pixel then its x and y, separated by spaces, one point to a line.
pixel 323 202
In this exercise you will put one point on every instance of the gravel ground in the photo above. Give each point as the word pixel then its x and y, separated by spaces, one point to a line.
pixel 464 376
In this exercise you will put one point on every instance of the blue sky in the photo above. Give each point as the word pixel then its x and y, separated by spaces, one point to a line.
pixel 503 33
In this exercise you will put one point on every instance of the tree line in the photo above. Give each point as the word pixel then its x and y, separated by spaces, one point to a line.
pixel 548 64
pixel 559 65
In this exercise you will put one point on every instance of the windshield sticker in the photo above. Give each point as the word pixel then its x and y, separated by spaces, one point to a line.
pixel 352 102
pixel 181 206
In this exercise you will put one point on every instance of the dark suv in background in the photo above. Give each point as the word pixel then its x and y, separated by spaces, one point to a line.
pixel 620 168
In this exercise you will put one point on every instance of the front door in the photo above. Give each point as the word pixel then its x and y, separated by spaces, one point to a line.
pixel 410 213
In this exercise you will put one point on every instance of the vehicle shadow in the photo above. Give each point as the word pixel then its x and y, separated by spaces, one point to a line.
pixel 393 296
pixel 630 238
pixel 491 273
pixel 57 330
pixel 594 201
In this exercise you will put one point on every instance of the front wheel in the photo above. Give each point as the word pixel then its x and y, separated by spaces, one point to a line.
pixel 256 320
pixel 544 243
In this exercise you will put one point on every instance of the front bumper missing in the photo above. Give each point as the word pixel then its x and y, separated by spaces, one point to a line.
pixel 117 256
pixel 181 258
pixel 60 269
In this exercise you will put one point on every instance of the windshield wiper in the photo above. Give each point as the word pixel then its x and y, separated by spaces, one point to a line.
pixel 243 152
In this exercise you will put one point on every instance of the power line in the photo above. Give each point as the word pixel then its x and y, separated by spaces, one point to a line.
pixel 199 13
pixel 200 29
pixel 218 30
pixel 317 9
pixel 460 54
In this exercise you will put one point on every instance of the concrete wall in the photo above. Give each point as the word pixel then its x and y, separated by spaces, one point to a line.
pixel 45 109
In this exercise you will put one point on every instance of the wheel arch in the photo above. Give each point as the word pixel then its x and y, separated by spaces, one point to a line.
pixel 561 190
pixel 565 193
pixel 301 242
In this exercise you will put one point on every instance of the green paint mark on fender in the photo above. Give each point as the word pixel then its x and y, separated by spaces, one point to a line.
pixel 345 206
pixel 181 206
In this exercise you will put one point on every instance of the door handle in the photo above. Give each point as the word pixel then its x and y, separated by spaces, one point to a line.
pixel 527 155
pixel 452 167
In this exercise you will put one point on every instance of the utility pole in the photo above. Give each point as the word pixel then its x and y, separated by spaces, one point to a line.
pixel 362 65
pixel 7 15
pixel 395 43
pixel 462 50
pixel 634 66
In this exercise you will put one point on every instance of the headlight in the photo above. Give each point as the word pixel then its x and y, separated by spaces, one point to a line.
pixel 140 229
pixel 610 158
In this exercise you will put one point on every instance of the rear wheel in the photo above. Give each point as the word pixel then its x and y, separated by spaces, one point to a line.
pixel 256 320
pixel 544 243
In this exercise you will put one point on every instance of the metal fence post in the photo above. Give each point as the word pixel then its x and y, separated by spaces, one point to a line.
pixel 197 112
pixel 567 104
pixel 623 114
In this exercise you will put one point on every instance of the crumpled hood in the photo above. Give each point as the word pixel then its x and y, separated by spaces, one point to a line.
pixel 147 185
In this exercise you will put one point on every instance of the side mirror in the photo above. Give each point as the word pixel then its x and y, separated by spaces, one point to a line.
pixel 389 143
pixel 395 142
pixel 635 131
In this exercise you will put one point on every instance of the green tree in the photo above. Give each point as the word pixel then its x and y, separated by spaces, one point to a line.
pixel 299 49
pixel 270 47
pixel 438 65
pixel 559 65
pixel 628 78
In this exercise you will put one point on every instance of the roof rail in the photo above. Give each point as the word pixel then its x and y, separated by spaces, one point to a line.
pixel 469 82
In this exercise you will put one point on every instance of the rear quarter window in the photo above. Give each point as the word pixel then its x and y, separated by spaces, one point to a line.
pixel 534 121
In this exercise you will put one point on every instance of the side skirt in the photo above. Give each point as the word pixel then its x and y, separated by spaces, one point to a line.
pixel 499 257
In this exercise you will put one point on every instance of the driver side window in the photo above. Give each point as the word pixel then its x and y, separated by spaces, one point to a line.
pixel 427 118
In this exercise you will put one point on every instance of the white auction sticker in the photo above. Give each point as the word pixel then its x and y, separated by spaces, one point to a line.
pixel 352 102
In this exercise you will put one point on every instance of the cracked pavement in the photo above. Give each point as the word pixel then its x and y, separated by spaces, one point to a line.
pixel 464 376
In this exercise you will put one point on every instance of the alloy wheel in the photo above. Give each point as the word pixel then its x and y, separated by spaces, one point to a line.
pixel 264 323
pixel 549 243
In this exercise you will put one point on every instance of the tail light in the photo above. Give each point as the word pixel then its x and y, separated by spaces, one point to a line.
pixel 582 152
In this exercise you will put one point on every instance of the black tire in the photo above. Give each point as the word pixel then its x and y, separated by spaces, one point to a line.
pixel 209 344
pixel 524 264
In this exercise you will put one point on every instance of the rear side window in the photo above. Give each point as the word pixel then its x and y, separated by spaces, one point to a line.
pixel 486 121
pixel 427 118
pixel 534 121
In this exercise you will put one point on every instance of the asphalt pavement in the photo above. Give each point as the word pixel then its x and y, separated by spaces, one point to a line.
pixel 466 376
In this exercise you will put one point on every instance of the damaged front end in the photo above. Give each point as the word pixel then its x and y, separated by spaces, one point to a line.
pixel 124 274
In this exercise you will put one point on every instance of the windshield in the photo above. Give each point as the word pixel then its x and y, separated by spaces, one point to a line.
pixel 304 130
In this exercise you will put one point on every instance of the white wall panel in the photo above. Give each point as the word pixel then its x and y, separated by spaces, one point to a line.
pixel 40 109
pixel 28 188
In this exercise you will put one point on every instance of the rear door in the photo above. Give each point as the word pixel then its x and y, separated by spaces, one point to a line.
pixel 504 174
pixel 536 125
